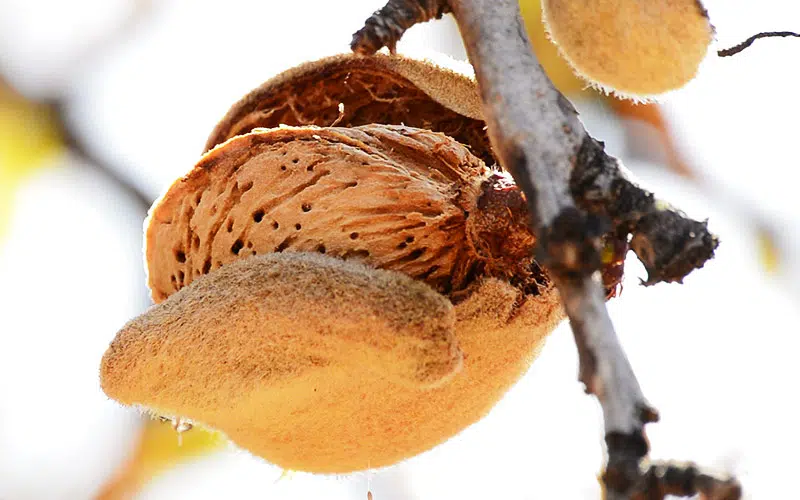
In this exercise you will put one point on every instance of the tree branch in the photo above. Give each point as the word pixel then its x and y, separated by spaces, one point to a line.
pixel 669 245
pixel 745 44
pixel 573 190
pixel 385 27
pixel 77 146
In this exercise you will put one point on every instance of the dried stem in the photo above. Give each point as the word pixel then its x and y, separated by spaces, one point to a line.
pixel 741 46
pixel 385 27
pixel 77 146
pixel 573 190
pixel 669 244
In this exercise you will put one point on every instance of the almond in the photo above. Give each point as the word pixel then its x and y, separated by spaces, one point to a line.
pixel 324 365
pixel 394 197
pixel 634 49
pixel 339 298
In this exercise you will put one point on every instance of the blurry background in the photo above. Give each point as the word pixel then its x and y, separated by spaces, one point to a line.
pixel 104 103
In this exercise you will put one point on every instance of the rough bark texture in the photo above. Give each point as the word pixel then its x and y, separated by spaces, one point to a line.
pixel 669 244
pixel 572 187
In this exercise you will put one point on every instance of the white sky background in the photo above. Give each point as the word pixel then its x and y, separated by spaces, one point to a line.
pixel 717 355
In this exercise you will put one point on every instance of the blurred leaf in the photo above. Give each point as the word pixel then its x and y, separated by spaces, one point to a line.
pixel 652 115
pixel 286 475
pixel 768 251
pixel 29 137
pixel 159 449
pixel 554 65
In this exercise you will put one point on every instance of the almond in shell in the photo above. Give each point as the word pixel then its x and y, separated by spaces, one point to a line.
pixel 339 298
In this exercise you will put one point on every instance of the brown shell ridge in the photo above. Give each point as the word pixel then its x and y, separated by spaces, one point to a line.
pixel 381 89
pixel 413 191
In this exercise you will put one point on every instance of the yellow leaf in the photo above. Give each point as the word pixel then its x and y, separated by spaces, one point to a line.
pixel 29 137
pixel 159 449
pixel 556 67
pixel 769 253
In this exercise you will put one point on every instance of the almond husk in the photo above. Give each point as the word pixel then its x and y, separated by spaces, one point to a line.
pixel 440 96
pixel 634 49
pixel 370 352
pixel 323 365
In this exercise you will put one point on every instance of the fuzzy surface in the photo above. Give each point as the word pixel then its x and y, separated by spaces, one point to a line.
pixel 323 365
pixel 631 47
pixel 294 270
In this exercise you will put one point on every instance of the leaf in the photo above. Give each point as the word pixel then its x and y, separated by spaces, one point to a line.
pixel 556 67
pixel 29 138
pixel 159 449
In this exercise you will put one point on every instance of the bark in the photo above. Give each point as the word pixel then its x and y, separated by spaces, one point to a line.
pixel 575 194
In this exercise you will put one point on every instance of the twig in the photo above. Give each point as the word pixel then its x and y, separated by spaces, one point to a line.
pixel 659 480
pixel 669 244
pixel 740 47
pixel 76 145
pixel 537 136
pixel 386 26
pixel 90 160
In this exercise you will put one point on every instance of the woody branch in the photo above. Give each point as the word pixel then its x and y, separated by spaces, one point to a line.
pixel 575 193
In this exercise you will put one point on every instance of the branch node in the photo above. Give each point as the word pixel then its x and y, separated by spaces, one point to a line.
pixel 570 245
pixel 661 479
pixel 386 26
pixel 669 244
